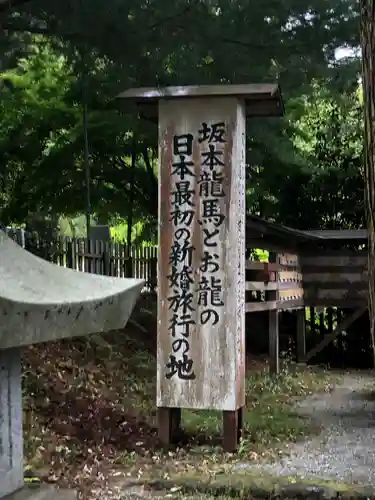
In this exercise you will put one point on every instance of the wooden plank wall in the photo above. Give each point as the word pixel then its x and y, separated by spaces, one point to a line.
pixel 324 279
pixel 335 278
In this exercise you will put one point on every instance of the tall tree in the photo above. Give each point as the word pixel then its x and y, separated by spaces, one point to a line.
pixel 158 43
pixel 368 81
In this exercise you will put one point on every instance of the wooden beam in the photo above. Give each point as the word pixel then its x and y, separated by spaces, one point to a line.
pixel 292 292
pixel 261 306
pixel 260 286
pixel 334 270
pixel 301 335
pixel 344 303
pixel 331 336
pixel 254 265
pixel 335 295
pixel 340 252
pixel 282 305
pixel 337 285
pixel 290 276
pixel 338 259
pixel 291 304
pixel 338 277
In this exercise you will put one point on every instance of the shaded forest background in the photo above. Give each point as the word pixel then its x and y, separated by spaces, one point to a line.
pixel 304 170
pixel 60 58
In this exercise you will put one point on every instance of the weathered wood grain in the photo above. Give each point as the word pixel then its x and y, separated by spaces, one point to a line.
pixel 288 259
pixel 261 306
pixel 291 304
pixel 259 286
pixel 294 292
pixel 271 266
pixel 335 259
pixel 335 294
pixel 216 350
pixel 335 277
pixel 275 304
pixel 339 303
pixel 336 285
pixel 292 276
pixel 316 269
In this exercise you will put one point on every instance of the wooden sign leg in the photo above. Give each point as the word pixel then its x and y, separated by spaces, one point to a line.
pixel 232 429
pixel 240 424
pixel 169 422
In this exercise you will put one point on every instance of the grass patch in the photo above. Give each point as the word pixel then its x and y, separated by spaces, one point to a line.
pixel 90 413
pixel 270 415
pixel 253 485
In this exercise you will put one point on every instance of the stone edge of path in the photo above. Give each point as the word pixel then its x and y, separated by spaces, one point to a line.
pixel 259 487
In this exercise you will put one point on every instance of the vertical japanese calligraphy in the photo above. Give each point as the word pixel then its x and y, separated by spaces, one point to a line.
pixel 212 138
pixel 201 281
pixel 209 289
pixel 181 281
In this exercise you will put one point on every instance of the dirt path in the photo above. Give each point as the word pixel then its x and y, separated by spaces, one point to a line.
pixel 345 450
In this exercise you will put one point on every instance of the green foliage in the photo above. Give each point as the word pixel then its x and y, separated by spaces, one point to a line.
pixel 141 233
pixel 92 50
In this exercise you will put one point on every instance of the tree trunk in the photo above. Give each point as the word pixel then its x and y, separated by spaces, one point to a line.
pixel 368 81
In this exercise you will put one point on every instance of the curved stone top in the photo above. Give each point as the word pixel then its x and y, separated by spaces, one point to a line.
pixel 40 301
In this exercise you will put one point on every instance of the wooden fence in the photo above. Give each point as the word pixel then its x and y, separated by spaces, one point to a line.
pixel 277 285
pixel 98 257
pixel 321 279
pixel 328 288
pixel 318 286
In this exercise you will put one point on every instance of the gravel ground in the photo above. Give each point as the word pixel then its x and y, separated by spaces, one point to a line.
pixel 345 450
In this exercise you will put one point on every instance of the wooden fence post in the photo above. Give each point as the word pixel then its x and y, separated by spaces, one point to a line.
pixel 106 260
pixel 153 273
pixel 69 254
pixel 273 324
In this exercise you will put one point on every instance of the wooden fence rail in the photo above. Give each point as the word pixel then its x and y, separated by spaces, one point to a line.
pixel 283 278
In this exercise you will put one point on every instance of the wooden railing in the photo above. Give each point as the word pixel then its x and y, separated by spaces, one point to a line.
pixel 283 277
pixel 319 280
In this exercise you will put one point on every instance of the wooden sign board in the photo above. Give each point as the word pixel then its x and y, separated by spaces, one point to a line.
pixel 201 265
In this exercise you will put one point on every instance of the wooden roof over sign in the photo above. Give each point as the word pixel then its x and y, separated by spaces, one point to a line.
pixel 261 99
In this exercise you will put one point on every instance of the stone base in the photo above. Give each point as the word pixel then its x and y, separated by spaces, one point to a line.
pixel 41 492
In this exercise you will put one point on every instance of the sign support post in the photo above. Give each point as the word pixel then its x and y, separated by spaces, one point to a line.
pixel 201 260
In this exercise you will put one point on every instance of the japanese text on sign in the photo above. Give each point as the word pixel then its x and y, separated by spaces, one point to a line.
pixel 187 295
